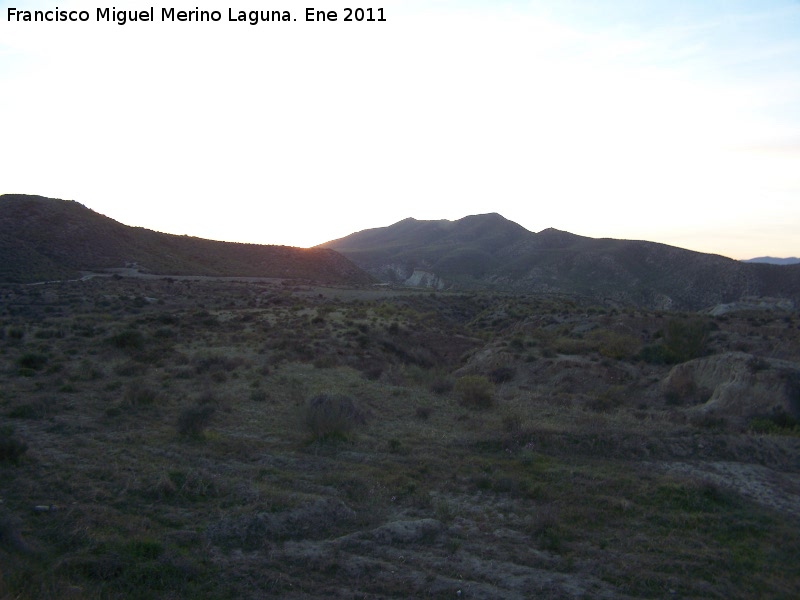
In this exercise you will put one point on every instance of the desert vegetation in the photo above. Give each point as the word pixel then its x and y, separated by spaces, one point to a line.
pixel 168 438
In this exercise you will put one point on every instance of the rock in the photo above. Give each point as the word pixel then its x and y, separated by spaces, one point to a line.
pixel 741 386
pixel 406 532
pixel 420 278
pixel 753 304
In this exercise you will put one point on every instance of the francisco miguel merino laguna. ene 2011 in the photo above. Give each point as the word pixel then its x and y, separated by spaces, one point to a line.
pixel 253 17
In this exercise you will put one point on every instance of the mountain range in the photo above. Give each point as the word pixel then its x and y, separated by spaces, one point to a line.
pixel 491 252
pixel 771 260
pixel 45 239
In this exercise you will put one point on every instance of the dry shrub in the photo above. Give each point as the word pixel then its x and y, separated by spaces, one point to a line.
pixel 259 396
pixel 475 391
pixel 512 422
pixel 608 399
pixel 687 339
pixel 140 394
pixel 11 448
pixel 441 385
pixel 216 363
pixel 130 369
pixel 502 374
pixel 423 412
pixel 194 420
pixel 681 389
pixel 130 339
pixel 545 527
pixel 331 416
pixel 327 361
pixel 32 361
pixel 616 345
pixel 569 345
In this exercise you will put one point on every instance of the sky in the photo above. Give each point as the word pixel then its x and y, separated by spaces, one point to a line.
pixel 670 121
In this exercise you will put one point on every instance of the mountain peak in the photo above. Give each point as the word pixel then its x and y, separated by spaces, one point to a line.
pixel 488 251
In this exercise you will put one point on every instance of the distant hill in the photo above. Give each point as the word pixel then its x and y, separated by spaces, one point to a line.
pixel 45 239
pixel 491 252
pixel 770 260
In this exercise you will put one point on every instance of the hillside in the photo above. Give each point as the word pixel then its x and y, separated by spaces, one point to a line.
pixel 246 439
pixel 491 252
pixel 46 239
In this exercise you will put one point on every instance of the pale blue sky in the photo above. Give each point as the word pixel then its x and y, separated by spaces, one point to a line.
pixel 676 122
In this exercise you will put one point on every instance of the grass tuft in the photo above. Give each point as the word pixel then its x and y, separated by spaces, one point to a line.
pixel 475 391
pixel 11 448
pixel 193 421
pixel 332 416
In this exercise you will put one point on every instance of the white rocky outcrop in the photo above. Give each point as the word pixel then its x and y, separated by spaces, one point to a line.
pixel 741 385
pixel 759 304
pixel 420 278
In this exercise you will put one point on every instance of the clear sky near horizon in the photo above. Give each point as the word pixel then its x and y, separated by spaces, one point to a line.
pixel 671 121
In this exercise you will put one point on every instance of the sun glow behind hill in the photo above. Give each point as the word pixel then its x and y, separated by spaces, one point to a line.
pixel 674 124
pixel 43 239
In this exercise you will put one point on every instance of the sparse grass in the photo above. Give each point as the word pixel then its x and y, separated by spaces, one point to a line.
pixel 185 470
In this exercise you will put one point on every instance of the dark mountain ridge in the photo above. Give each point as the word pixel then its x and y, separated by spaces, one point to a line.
pixel 491 252
pixel 46 239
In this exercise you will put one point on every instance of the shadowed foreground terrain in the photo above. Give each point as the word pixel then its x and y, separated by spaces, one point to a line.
pixel 207 439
